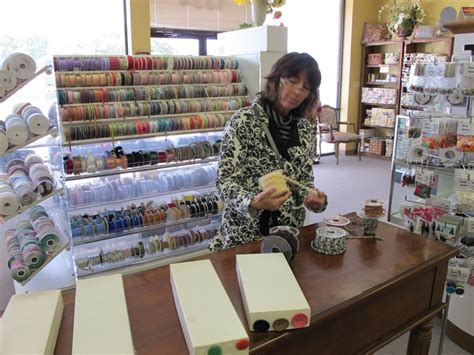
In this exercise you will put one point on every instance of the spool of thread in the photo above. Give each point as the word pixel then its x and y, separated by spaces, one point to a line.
pixel 330 241
pixel 16 130
pixel 8 81
pixel 21 65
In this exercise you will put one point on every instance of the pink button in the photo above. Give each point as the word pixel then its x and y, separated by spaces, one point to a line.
pixel 299 320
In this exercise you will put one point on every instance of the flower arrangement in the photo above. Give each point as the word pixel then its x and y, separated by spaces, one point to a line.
pixel 402 16
pixel 271 4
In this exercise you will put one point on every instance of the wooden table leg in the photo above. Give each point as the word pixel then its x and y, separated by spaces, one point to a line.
pixel 420 339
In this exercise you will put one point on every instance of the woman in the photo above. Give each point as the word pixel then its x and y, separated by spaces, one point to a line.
pixel 275 118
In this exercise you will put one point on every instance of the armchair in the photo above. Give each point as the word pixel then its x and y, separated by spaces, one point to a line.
pixel 329 130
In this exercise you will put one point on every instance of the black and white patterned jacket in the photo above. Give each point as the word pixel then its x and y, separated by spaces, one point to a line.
pixel 246 155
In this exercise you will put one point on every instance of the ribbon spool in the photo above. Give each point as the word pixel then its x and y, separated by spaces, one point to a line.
pixel 450 154
pixel 3 136
pixel 21 65
pixel 276 179
pixel 277 244
pixel 16 129
pixel 330 241
pixel 7 80
pixel 290 234
pixel 9 203
pixel 337 221
pixel 415 152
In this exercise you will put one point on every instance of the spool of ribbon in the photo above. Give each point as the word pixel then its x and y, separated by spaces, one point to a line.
pixel 21 65
pixel 415 153
pixel 8 202
pixel 450 154
pixel 3 138
pixel 330 241
pixel 16 130
pixel 7 80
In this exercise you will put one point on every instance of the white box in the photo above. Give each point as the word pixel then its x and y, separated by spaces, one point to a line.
pixel 30 324
pixel 101 324
pixel 272 298
pixel 253 40
pixel 209 323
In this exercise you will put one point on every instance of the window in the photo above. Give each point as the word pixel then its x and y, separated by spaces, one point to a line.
pixel 44 28
pixel 316 28
pixel 180 42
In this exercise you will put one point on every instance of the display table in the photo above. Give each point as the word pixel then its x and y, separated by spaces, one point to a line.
pixel 360 300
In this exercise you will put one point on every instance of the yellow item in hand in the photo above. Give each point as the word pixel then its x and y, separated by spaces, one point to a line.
pixel 275 179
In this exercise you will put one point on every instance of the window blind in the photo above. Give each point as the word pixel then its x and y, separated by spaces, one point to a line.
pixel 213 15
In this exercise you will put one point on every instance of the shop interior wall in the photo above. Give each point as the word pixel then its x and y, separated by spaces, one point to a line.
pixel 357 12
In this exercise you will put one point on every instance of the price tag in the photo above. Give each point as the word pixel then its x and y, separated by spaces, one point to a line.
pixel 435 69
pixel 464 180
pixel 465 128
pixel 469 70
pixel 425 176
pixel 470 224
pixel 430 128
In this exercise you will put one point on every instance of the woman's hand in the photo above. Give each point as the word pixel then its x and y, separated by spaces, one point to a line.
pixel 316 201
pixel 268 200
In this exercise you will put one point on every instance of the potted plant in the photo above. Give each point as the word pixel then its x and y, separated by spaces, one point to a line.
pixel 402 16
pixel 260 8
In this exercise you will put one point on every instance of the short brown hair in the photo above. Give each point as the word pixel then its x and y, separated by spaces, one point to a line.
pixel 290 65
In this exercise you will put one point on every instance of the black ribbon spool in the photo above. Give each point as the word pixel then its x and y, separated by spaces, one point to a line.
pixel 280 244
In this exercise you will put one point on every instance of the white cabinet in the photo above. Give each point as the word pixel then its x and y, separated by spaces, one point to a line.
pixel 257 49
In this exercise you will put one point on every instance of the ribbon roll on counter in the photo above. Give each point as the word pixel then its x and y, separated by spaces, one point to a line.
pixel 16 130
pixel 330 241
pixel 21 65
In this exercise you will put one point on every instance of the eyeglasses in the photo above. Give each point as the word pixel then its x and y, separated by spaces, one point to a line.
pixel 296 84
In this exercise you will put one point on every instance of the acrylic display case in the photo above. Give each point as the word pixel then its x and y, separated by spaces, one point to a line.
pixel 32 204
pixel 141 138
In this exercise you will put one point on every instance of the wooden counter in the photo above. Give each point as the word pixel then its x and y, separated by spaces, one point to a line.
pixel 359 301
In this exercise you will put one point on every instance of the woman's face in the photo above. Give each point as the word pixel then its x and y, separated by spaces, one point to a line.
pixel 292 91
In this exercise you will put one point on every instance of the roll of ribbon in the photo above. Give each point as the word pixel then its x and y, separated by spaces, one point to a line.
pixel 415 153
pixel 277 244
pixel 3 142
pixel 49 240
pixel 330 241
pixel 450 153
pixel 37 123
pixel 16 130
pixel 7 80
pixel 9 203
pixel 21 65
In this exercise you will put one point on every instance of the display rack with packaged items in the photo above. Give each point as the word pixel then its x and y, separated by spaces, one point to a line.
pixel 143 138
pixel 432 186
pixel 31 183
pixel 385 76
